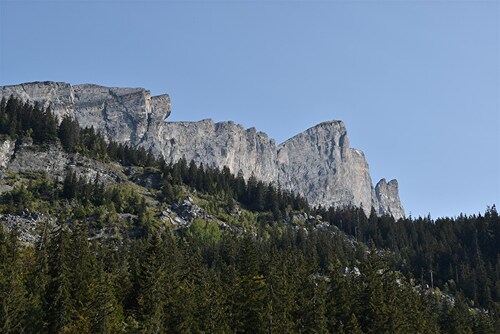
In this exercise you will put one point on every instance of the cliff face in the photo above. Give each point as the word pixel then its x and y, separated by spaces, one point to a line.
pixel 58 94
pixel 317 163
pixel 221 144
pixel 124 114
pixel 387 198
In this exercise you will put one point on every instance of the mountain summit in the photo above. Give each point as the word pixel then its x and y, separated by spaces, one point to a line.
pixel 317 163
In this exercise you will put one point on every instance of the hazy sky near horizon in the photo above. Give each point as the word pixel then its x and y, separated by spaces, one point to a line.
pixel 417 83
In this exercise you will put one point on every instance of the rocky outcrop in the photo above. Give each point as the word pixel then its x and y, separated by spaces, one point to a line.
pixel 6 151
pixel 387 198
pixel 56 163
pixel 26 224
pixel 124 114
pixel 221 144
pixel 318 163
pixel 59 95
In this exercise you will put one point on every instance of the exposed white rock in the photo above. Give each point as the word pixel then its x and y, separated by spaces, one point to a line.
pixel 55 162
pixel 26 225
pixel 124 114
pixel 6 152
pixel 317 163
pixel 59 95
pixel 221 144
pixel 387 195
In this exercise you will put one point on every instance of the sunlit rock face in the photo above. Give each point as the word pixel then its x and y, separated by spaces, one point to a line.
pixel 387 198
pixel 123 114
pixel 221 144
pixel 317 163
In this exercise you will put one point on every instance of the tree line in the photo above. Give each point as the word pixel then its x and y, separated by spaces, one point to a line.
pixel 461 254
pixel 287 282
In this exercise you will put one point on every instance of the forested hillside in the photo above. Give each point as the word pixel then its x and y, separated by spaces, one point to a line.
pixel 260 260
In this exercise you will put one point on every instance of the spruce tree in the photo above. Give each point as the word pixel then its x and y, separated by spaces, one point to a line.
pixel 13 295
pixel 59 308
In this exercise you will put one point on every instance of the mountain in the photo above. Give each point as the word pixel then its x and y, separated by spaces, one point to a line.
pixel 317 163
pixel 97 236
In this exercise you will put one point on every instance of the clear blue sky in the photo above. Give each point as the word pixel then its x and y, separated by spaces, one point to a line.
pixel 416 82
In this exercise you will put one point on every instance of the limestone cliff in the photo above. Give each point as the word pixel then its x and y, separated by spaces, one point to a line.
pixel 221 144
pixel 320 158
pixel 387 198
pixel 124 114
pixel 318 163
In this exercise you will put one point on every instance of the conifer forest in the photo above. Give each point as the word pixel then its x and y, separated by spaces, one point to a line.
pixel 108 259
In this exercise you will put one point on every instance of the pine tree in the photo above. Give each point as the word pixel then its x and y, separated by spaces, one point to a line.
pixel 240 187
pixel 83 277
pixel 38 283
pixel 69 134
pixel 3 105
pixel 10 121
pixel 248 290
pixel 339 301
pixel 212 305
pixel 59 308
pixel 13 295
pixel 151 278
pixel 70 185
pixel 354 327
pixel 271 202
pixel 374 315
pixel 280 294
pixel 106 313
pixel 456 318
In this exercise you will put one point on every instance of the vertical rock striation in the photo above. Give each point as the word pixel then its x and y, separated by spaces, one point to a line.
pixel 221 144
pixel 59 95
pixel 124 114
pixel 387 198
pixel 317 163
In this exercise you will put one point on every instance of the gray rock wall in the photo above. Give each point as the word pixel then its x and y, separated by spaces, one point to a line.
pixel 221 144
pixel 387 198
pixel 59 95
pixel 317 163
pixel 56 163
pixel 124 114
pixel 6 152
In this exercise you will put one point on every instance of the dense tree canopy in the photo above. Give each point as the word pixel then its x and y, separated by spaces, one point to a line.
pixel 109 265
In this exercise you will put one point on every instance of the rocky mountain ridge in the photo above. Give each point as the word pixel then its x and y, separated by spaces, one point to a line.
pixel 317 163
